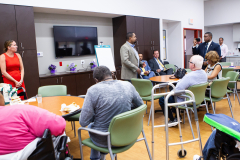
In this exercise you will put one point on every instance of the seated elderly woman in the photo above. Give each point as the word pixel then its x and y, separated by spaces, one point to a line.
pixel 23 124
pixel 213 69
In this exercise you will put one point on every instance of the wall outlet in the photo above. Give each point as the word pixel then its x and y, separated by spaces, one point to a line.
pixel 82 61
pixel 40 54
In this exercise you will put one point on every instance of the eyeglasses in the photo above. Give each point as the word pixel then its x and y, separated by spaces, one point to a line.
pixel 190 62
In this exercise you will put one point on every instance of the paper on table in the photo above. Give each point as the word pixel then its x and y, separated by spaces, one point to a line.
pixel 71 107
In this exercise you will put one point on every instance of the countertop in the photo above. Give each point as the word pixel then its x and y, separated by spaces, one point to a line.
pixel 64 73
pixel 233 56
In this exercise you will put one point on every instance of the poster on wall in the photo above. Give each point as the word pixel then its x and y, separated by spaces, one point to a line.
pixel 164 45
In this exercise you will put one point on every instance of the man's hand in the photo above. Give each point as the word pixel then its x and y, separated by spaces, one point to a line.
pixel 158 70
pixel 144 65
pixel 205 63
pixel 139 71
pixel 146 72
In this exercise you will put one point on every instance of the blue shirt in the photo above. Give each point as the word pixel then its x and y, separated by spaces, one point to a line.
pixel 160 67
pixel 136 53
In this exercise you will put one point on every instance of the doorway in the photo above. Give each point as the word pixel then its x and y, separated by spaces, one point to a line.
pixel 188 36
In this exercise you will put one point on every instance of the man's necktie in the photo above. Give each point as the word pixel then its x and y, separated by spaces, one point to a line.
pixel 205 51
pixel 161 64
pixel 143 69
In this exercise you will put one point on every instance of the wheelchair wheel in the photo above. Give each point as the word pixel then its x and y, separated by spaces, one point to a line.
pixel 180 154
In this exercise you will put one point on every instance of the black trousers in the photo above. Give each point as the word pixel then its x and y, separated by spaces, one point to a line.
pixel 167 72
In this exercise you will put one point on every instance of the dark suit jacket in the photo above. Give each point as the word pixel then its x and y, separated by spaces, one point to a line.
pixel 213 47
pixel 153 64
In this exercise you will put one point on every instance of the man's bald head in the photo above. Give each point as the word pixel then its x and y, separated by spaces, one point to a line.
pixel 197 61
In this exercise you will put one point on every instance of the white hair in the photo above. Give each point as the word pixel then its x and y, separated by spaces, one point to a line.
pixel 197 61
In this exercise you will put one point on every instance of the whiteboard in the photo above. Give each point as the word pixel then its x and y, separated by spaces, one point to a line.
pixel 104 57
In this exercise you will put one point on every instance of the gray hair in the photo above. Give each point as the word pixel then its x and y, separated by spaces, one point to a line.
pixel 197 61
pixel 101 72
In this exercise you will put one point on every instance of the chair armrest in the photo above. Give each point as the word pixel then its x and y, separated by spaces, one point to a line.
pixel 232 82
pixel 62 144
pixel 208 89
pixel 94 131
pixel 72 113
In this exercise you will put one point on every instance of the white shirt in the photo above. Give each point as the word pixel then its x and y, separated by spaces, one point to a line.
pixel 209 44
pixel 224 50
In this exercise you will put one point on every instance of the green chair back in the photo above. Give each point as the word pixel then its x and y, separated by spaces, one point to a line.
pixel 188 70
pixel 171 66
pixel 126 127
pixel 219 87
pixel 199 92
pixel 225 71
pixel 233 77
pixel 225 63
pixel 52 90
pixel 143 86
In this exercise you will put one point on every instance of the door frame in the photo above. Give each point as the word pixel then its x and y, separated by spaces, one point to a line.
pixel 195 36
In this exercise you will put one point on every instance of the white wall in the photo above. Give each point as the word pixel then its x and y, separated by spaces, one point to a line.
pixel 221 12
pixel 189 41
pixel 175 45
pixel 45 42
pixel 225 31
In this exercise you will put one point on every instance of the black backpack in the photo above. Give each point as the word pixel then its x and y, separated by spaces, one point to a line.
pixel 180 73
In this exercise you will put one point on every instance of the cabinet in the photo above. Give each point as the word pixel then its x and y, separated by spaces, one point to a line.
pixel 146 30
pixel 84 81
pixel 8 28
pixel 25 27
pixel 17 23
pixel 68 80
pixel 236 32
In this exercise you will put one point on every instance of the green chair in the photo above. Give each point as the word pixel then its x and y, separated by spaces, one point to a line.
pixel 217 91
pixel 188 70
pixel 232 85
pixel 225 71
pixel 171 66
pixel 199 93
pixel 123 132
pixel 225 63
pixel 144 88
pixel 58 90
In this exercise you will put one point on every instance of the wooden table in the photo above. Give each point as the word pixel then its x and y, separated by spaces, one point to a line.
pixel 235 67
pixel 53 104
pixel 162 79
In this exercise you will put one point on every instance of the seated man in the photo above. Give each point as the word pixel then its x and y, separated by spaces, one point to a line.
pixel 103 101
pixel 197 76
pixel 22 124
pixel 146 72
pixel 157 65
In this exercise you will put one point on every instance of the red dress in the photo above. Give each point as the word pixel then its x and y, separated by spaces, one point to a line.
pixel 13 69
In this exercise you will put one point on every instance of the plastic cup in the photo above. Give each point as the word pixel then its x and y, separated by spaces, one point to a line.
pixel 39 98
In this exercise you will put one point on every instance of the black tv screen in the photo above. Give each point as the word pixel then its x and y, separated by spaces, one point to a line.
pixel 74 40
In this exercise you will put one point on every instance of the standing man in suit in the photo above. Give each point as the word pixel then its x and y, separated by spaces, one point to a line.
pixel 146 72
pixel 157 65
pixel 129 58
pixel 207 46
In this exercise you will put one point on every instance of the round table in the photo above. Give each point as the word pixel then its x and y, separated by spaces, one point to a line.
pixel 235 67
pixel 163 79
pixel 53 104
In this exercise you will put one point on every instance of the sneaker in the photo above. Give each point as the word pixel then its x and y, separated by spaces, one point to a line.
pixel 196 157
pixel 175 119
pixel 170 122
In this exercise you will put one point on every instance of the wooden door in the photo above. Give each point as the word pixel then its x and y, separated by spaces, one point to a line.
pixel 155 32
pixel 130 22
pixel 148 53
pixel 31 74
pixel 147 31
pixel 49 81
pixel 140 49
pixel 8 30
pixel 25 27
pixel 70 82
pixel 83 81
pixel 139 30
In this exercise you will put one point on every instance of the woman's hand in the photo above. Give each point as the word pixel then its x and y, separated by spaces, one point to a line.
pixel 18 84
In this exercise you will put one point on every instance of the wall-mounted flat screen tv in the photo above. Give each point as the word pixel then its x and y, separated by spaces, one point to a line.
pixel 74 40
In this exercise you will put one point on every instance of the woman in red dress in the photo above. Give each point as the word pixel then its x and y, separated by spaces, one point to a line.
pixel 12 65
